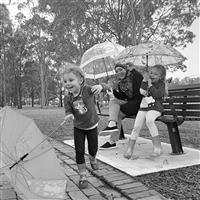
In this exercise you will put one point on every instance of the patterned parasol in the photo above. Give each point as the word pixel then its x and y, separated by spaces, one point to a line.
pixel 150 54
pixel 98 61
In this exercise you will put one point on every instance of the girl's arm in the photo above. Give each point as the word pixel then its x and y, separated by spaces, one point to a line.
pixel 144 88
pixel 69 117
pixel 157 92
pixel 67 105
pixel 144 85
pixel 96 89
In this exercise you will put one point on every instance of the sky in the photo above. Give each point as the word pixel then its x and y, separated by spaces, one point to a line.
pixel 191 52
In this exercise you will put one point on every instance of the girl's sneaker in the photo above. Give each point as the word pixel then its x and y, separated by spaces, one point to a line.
pixel 83 182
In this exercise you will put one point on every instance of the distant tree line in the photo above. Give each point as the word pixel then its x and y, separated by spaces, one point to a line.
pixel 32 52
pixel 185 81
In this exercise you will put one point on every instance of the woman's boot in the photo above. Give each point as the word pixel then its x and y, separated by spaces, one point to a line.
pixel 157 149
pixel 129 151
pixel 83 183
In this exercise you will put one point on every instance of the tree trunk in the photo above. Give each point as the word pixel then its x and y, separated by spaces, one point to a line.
pixel 19 96
pixel 133 22
pixel 141 29
pixel 32 98
pixel 4 79
pixel 15 92
pixel 60 97
pixel 42 85
pixel 46 89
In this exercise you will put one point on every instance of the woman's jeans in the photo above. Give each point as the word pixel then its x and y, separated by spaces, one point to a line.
pixel 79 142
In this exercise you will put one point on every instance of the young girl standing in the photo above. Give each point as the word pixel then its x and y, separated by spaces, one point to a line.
pixel 153 90
pixel 80 107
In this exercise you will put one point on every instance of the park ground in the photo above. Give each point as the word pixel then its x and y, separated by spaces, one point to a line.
pixel 177 184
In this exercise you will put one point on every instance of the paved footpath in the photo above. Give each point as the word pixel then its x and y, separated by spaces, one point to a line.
pixel 105 183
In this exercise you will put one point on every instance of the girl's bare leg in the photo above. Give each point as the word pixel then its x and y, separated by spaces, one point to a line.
pixel 139 121
pixel 150 122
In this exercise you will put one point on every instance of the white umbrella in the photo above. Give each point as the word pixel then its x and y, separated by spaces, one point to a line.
pixel 98 61
pixel 28 159
pixel 150 54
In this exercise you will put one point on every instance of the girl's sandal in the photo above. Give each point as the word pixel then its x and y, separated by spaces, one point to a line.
pixel 134 157
pixel 94 166
pixel 157 153
pixel 83 183
pixel 128 155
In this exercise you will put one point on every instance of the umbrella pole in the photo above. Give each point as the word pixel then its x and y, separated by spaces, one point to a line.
pixel 21 159
pixel 105 69
pixel 111 65
pixel 147 57
pixel 46 137
pixel 94 71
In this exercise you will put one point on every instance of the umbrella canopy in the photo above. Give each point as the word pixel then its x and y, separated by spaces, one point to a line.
pixel 98 61
pixel 28 159
pixel 150 54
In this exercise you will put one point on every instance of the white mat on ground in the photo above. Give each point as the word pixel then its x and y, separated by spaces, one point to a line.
pixel 144 164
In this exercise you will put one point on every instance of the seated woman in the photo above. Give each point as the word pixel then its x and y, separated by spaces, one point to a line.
pixel 124 101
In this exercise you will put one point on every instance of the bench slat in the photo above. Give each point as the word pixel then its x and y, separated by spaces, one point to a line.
pixel 183 106
pixel 183 113
pixel 183 99
pixel 169 118
pixel 185 93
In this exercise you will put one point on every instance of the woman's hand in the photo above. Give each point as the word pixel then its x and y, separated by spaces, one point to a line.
pixel 96 89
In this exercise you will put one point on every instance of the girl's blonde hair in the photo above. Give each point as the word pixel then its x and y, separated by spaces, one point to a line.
pixel 163 73
pixel 76 70
pixel 162 69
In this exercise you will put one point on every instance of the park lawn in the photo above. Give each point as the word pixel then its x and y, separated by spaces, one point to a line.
pixel 49 119
pixel 176 184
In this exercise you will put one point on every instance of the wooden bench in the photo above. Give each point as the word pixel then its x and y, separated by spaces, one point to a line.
pixel 182 104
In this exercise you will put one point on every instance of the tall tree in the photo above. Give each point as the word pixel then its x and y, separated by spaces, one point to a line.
pixel 36 30
pixel 84 23
pixel 31 81
pixel 5 34
pixel 135 21
pixel 61 31
pixel 19 52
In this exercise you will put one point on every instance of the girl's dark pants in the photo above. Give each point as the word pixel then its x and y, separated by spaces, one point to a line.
pixel 79 142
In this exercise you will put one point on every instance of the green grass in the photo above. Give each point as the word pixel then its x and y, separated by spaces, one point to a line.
pixel 178 184
pixel 49 119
